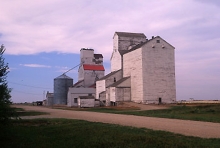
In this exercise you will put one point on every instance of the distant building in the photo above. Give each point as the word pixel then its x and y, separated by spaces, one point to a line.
pixel 74 93
pixel 49 99
pixel 90 70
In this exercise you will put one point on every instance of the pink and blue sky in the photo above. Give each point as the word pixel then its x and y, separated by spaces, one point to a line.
pixel 43 39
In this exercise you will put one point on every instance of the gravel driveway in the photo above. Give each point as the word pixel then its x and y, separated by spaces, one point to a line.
pixel 184 127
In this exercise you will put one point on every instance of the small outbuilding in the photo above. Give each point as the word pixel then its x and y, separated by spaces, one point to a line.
pixel 74 93
pixel 39 103
pixel 86 101
pixel 49 99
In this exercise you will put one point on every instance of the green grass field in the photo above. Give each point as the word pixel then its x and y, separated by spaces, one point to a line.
pixel 22 112
pixel 209 113
pixel 63 133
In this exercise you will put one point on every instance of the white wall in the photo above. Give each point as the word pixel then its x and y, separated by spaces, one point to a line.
pixel 102 96
pixel 86 102
pixel 115 42
pixel 100 87
pixel 80 73
pixel 112 94
pixel 87 56
pixel 108 96
pixel 90 76
pixel 123 94
pixel 115 61
pixel 76 92
pixel 159 72
pixel 152 72
pixel 110 80
pixel 132 66
pixel 122 43
pixel 49 101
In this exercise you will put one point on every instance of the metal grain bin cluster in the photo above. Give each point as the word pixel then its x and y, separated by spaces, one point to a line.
pixel 61 86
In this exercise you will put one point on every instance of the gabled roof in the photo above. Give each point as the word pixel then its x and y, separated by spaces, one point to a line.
pixel 108 75
pixel 77 83
pixel 142 44
pixel 119 82
pixel 93 67
pixel 122 52
pixel 97 56
pixel 86 97
pixel 165 41
pixel 63 76
pixel 103 92
pixel 129 34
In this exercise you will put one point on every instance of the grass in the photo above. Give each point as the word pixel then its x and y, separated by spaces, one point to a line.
pixel 22 112
pixel 111 109
pixel 209 113
pixel 61 133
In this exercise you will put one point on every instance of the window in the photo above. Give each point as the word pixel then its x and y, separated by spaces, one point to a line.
pixel 158 41
pixel 75 100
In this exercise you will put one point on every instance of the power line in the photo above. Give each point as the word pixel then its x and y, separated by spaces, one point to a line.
pixel 25 92
pixel 38 86
pixel 73 68
pixel 29 85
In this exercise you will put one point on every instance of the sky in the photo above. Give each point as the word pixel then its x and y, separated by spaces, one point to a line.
pixel 43 39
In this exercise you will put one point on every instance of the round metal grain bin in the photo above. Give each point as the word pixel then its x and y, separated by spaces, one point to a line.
pixel 61 86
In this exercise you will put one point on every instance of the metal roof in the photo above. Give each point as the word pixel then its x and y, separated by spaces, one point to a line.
pixel 86 49
pixel 74 85
pixel 143 43
pixel 86 97
pixel 122 52
pixel 108 75
pixel 118 82
pixel 93 67
pixel 63 76
pixel 129 34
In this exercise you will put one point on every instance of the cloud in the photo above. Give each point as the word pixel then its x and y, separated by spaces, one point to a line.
pixel 12 69
pixel 212 2
pixel 36 65
pixel 191 26
pixel 46 26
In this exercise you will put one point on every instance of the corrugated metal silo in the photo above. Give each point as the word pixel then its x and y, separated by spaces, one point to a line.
pixel 61 85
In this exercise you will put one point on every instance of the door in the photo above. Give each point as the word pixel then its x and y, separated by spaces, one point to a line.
pixel 160 100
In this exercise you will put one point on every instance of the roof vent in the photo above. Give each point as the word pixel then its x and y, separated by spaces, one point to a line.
pixel 152 37
pixel 163 46
pixel 153 46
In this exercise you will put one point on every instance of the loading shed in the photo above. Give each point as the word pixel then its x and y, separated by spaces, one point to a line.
pixel 86 101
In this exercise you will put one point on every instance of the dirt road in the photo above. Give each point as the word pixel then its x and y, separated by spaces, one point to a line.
pixel 184 127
